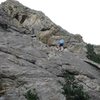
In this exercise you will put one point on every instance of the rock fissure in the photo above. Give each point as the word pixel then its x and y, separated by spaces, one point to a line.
pixel 10 51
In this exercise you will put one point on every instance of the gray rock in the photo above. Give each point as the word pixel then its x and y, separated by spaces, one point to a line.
pixel 14 15
pixel 27 63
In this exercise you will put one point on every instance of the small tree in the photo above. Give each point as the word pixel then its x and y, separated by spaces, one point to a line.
pixel 72 90
pixel 91 54
pixel 31 95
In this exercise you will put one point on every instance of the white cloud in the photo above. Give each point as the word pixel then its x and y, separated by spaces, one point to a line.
pixel 76 16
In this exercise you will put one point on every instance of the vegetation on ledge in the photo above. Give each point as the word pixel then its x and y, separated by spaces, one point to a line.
pixel 91 54
pixel 31 95
pixel 72 90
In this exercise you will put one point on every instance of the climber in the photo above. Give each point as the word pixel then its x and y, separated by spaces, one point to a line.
pixel 61 44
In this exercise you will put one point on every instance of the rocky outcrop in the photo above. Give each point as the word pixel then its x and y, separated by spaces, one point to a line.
pixel 15 16
pixel 22 18
pixel 27 63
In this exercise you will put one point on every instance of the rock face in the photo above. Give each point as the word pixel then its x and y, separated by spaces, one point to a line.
pixel 22 18
pixel 26 21
pixel 27 63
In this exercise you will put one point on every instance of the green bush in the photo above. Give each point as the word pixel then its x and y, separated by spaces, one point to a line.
pixel 72 90
pixel 31 95
pixel 91 54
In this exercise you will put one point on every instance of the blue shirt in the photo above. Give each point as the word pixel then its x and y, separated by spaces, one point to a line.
pixel 61 41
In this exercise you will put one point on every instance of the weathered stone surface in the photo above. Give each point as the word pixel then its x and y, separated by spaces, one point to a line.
pixel 27 63
pixel 22 19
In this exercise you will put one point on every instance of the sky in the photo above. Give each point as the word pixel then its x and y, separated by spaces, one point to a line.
pixel 76 16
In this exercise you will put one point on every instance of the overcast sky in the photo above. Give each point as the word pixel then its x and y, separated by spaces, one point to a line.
pixel 76 16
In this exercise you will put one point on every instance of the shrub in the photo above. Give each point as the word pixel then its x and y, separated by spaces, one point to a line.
pixel 31 95
pixel 2 89
pixel 72 90
pixel 91 54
